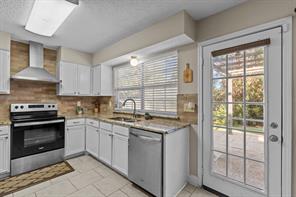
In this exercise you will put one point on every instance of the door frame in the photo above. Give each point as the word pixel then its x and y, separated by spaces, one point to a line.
pixel 286 24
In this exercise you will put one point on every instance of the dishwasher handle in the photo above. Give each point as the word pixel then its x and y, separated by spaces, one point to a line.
pixel 146 138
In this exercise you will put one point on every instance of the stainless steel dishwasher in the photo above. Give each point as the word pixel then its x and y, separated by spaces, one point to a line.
pixel 145 160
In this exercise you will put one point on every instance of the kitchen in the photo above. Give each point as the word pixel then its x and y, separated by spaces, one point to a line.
pixel 119 111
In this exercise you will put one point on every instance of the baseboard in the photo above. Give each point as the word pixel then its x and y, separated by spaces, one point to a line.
pixel 194 180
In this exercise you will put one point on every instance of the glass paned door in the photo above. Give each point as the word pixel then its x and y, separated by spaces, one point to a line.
pixel 238 108
pixel 241 99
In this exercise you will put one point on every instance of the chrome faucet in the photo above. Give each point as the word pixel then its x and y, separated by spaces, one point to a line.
pixel 130 99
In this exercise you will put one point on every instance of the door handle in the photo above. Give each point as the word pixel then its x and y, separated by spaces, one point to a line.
pixel 146 138
pixel 273 138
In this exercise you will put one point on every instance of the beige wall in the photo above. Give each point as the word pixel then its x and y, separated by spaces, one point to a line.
pixel 176 25
pixel 249 14
pixel 5 41
pixel 187 54
pixel 73 56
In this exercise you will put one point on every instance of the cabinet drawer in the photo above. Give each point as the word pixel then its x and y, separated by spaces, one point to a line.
pixel 106 126
pixel 73 122
pixel 120 130
pixel 4 130
pixel 92 122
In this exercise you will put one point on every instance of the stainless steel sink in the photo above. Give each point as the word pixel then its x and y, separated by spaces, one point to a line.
pixel 124 119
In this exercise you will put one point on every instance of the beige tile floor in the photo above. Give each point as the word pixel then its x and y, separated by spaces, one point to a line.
pixel 93 179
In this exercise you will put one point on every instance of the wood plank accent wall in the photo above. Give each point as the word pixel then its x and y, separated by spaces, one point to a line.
pixel 32 92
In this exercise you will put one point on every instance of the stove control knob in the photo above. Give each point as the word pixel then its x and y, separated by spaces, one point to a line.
pixel 16 107
pixel 53 106
pixel 22 107
pixel 49 106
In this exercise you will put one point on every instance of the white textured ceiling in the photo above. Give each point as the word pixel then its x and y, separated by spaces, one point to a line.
pixel 95 24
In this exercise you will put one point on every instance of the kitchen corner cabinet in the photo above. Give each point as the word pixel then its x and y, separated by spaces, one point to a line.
pixel 4 72
pixel 102 83
pixel 74 79
pixel 4 150
pixel 75 137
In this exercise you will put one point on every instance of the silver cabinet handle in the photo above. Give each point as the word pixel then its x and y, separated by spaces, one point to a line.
pixel 273 138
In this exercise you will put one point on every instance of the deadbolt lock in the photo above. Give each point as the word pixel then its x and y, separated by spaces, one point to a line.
pixel 274 125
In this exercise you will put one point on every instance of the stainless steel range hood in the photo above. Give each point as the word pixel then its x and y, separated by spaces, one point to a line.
pixel 35 71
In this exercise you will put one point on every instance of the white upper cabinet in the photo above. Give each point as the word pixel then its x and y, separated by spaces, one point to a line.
pixel 102 81
pixel 4 72
pixel 106 81
pixel 96 80
pixel 84 80
pixel 75 79
pixel 67 75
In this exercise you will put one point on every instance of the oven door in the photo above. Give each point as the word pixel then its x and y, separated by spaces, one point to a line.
pixel 29 138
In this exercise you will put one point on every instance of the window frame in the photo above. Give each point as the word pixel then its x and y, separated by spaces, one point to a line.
pixel 142 88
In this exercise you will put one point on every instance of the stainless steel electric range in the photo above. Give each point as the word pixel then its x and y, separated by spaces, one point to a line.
pixel 37 134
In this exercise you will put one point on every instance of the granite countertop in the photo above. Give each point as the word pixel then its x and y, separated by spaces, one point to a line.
pixel 158 125
pixel 4 121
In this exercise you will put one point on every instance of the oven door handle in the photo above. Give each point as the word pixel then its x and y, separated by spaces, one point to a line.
pixel 37 123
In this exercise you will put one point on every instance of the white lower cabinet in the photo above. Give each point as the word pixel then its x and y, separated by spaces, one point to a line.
pixel 120 153
pixel 75 140
pixel 104 141
pixel 92 140
pixel 106 146
pixel 4 154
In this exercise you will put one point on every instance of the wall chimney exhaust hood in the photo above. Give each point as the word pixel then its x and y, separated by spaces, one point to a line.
pixel 35 71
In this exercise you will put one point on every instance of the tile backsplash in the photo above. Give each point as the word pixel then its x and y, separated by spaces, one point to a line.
pixel 36 92
pixel 182 100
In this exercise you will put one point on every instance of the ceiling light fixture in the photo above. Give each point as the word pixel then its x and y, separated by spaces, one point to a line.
pixel 134 61
pixel 47 16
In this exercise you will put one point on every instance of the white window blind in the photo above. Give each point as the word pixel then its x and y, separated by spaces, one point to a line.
pixel 152 84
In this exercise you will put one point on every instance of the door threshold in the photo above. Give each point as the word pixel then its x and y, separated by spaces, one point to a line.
pixel 213 191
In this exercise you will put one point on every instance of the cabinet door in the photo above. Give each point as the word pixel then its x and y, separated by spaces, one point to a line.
pixel 68 77
pixel 75 140
pixel 4 154
pixel 120 154
pixel 106 81
pixel 4 72
pixel 105 146
pixel 96 81
pixel 92 140
pixel 84 80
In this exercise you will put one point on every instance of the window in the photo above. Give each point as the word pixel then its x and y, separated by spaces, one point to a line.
pixel 152 84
